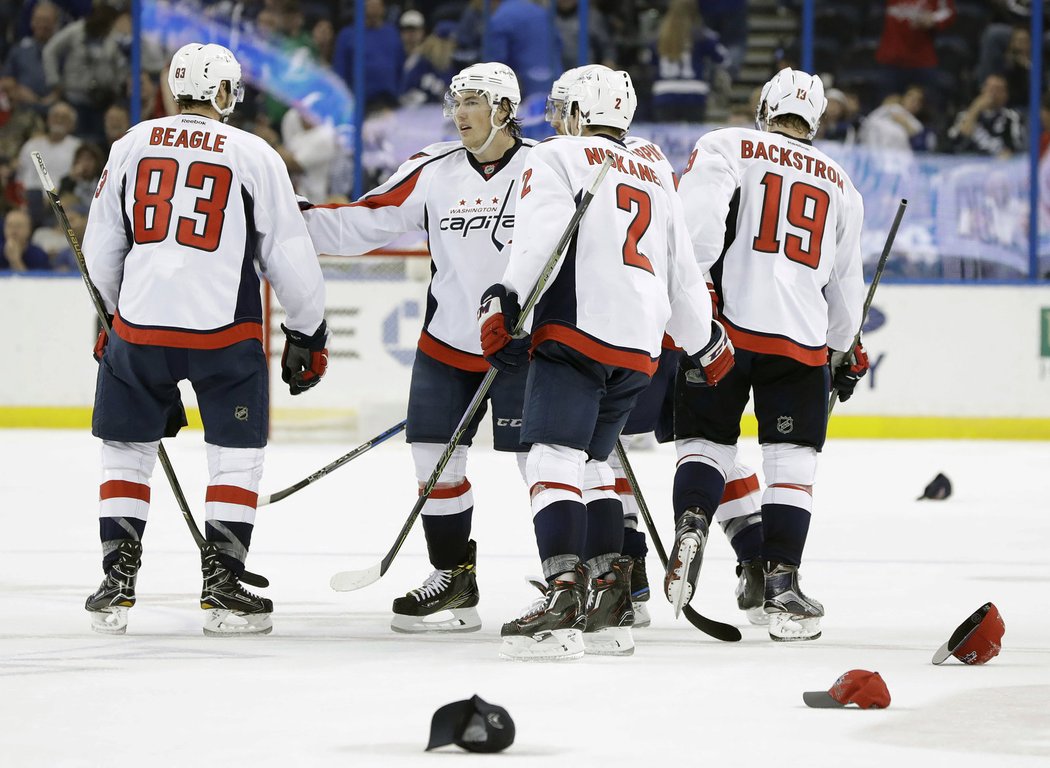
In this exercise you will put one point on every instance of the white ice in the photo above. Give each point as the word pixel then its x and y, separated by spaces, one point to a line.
pixel 333 686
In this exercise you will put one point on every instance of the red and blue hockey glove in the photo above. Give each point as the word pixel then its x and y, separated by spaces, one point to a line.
pixel 101 341
pixel 844 378
pixel 305 358
pixel 497 315
pixel 711 364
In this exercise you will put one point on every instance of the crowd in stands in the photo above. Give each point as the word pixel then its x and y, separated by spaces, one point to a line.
pixel 905 75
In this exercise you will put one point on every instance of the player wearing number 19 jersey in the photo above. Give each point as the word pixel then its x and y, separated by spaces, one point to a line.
pixel 185 212
pixel 777 222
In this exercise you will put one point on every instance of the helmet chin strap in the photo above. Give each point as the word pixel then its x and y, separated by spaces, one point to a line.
pixel 492 133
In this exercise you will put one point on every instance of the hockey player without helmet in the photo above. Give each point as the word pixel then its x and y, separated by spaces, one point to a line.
pixel 496 81
pixel 198 70
pixel 792 92
pixel 603 97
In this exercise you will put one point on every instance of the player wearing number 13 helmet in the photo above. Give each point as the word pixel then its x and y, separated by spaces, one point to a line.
pixel 187 209
pixel 777 223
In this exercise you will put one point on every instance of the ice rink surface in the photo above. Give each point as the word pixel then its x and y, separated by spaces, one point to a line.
pixel 333 686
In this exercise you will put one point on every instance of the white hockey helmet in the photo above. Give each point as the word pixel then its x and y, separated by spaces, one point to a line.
pixel 495 80
pixel 556 99
pixel 197 71
pixel 792 92
pixel 604 97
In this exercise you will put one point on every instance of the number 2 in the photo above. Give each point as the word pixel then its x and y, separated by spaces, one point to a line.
pixel 800 195
pixel 627 197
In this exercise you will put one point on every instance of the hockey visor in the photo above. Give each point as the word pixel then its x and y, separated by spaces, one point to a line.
pixel 473 724
pixel 977 640
pixel 858 686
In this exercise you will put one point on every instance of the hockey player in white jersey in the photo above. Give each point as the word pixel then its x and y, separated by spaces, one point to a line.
pixel 778 224
pixel 463 195
pixel 627 275
pixel 187 208
pixel 739 513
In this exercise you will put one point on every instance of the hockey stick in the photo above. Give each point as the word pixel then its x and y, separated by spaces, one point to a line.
pixel 252 579
pixel 346 581
pixel 344 459
pixel 848 357
pixel 715 629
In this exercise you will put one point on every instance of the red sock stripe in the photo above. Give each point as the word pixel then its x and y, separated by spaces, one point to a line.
pixel 807 488
pixel 738 489
pixel 123 489
pixel 544 485
pixel 623 487
pixel 231 494
pixel 452 492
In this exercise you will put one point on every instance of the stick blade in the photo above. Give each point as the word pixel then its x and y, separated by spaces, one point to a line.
pixel 348 581
pixel 727 633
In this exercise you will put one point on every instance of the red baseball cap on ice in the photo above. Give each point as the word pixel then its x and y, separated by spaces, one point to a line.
pixel 977 640
pixel 858 686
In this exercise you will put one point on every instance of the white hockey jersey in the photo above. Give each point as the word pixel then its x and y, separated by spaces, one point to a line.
pixel 629 272
pixel 186 208
pixel 777 223
pixel 467 211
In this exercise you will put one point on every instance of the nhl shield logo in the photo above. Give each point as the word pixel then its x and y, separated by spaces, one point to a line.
pixel 240 412
pixel 785 424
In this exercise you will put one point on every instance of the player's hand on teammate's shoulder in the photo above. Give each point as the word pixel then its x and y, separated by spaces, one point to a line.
pixel 711 364
pixel 305 358
pixel 497 316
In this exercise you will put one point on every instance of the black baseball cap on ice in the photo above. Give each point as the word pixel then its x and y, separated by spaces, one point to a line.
pixel 473 724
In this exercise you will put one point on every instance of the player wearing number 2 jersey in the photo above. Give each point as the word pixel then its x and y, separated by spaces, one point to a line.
pixel 778 224
pixel 187 208
pixel 627 274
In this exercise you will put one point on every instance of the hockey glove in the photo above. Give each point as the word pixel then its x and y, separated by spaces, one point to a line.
pixel 844 378
pixel 497 316
pixel 710 365
pixel 176 419
pixel 101 341
pixel 305 358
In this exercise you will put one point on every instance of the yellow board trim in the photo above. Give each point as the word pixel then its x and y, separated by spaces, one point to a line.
pixel 866 427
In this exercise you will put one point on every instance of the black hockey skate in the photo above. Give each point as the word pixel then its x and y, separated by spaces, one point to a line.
pixel 551 629
pixel 640 593
pixel 444 603
pixel 685 558
pixel 109 604
pixel 610 614
pixel 750 591
pixel 231 609
pixel 792 615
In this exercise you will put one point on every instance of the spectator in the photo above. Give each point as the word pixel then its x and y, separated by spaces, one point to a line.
pixel 384 56
pixel 469 30
pixel 62 257
pixel 1013 61
pixel 1008 15
pixel 840 118
pixel 58 146
pixel 23 74
pixel 429 69
pixel 906 48
pixel 412 28
pixel 988 126
pixel 16 252
pixel 309 151
pixel 79 185
pixel 84 64
pixel 600 46
pixel 115 123
pixel 11 193
pixel 323 35
pixel 687 55
pixel 896 126
pixel 522 36
pixel 729 19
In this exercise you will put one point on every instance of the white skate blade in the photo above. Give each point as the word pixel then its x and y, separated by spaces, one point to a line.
pixel 348 581
pixel 757 616
pixel 452 620
pixel 110 621
pixel 558 645
pixel 789 627
pixel 679 590
pixel 641 615
pixel 611 641
pixel 220 622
